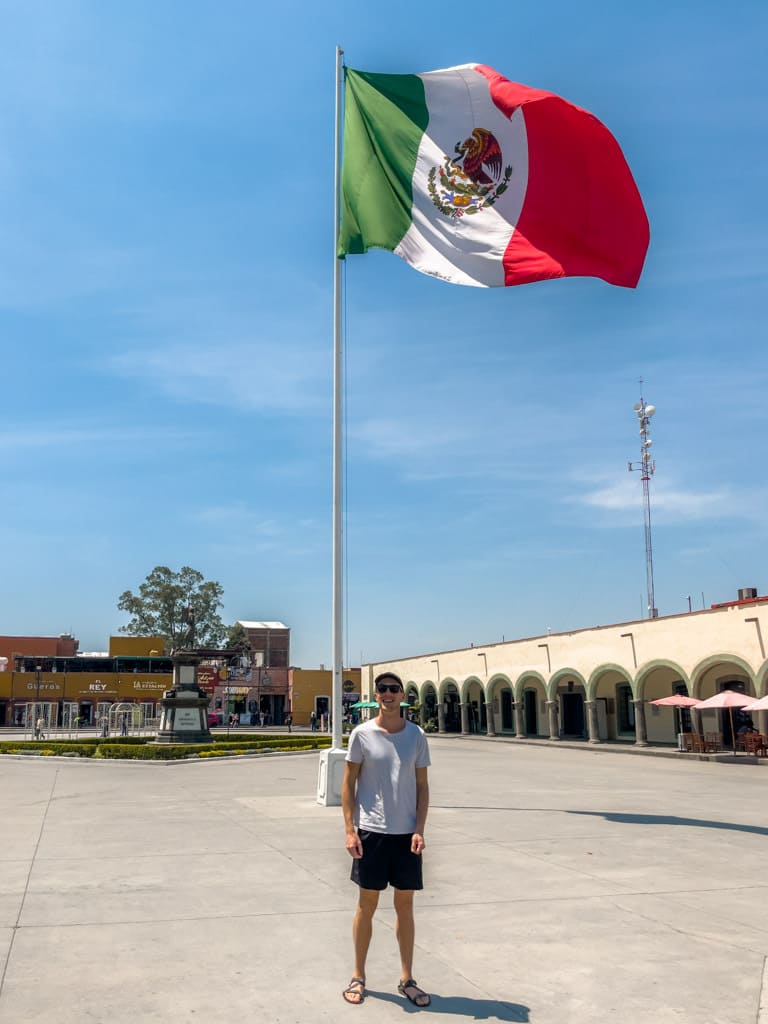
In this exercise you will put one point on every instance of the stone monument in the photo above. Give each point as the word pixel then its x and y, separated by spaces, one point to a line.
pixel 184 718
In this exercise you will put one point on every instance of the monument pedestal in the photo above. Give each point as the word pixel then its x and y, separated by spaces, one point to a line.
pixel 184 716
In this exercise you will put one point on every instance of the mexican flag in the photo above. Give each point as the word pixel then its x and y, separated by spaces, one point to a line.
pixel 477 180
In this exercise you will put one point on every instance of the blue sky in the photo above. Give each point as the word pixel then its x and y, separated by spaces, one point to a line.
pixel 165 315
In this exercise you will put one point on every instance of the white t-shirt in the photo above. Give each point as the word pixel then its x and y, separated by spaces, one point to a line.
pixel 386 785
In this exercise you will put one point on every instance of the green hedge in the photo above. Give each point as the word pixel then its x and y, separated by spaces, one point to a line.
pixel 142 748
pixel 47 748
pixel 270 742
pixel 149 752
pixel 177 751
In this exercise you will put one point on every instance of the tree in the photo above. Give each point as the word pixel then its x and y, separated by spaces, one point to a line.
pixel 180 606
pixel 237 638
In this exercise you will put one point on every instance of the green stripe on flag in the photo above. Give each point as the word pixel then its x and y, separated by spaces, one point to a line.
pixel 385 117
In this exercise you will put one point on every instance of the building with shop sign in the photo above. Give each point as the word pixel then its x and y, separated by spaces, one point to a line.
pixel 251 684
pixel 595 684
pixel 64 687
pixel 45 676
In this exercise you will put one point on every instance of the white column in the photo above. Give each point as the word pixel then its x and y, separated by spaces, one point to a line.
pixel 641 733
pixel 553 709
pixel 592 724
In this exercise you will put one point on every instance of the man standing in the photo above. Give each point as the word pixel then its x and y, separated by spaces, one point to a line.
pixel 385 797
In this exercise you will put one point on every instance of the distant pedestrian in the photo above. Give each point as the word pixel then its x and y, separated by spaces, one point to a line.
pixel 124 724
pixel 289 721
pixel 313 721
pixel 39 729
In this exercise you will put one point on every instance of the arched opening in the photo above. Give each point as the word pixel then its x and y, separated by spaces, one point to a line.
pixel 429 708
pixel 613 710
pixel 449 698
pixel 475 700
pixel 662 724
pixel 412 697
pixel 501 700
pixel 532 696
pixel 713 676
pixel 571 693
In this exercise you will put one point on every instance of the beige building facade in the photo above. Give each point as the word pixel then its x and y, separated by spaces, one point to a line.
pixel 595 684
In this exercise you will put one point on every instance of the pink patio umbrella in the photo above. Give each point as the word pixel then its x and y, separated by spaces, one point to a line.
pixel 757 705
pixel 676 700
pixel 726 699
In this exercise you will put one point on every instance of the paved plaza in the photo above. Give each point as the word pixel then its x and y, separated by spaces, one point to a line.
pixel 563 887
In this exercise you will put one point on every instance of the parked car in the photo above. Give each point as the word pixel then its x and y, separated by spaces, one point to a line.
pixel 215 718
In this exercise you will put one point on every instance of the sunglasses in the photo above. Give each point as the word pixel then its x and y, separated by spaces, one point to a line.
pixel 386 688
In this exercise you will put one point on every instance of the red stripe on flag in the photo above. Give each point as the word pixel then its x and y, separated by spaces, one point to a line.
pixel 582 214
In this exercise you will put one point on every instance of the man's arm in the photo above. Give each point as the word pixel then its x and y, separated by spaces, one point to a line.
pixel 422 806
pixel 348 789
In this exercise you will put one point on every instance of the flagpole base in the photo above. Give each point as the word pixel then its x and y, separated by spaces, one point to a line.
pixel 330 773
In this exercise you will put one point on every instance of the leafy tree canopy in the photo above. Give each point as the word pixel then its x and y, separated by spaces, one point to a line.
pixel 237 638
pixel 181 606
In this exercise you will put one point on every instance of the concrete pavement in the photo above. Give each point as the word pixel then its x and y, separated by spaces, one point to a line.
pixel 561 887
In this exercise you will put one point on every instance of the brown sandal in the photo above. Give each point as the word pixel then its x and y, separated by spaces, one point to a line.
pixel 356 987
pixel 416 995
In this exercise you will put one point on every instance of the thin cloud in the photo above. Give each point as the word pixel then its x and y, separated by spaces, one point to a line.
pixel 238 518
pixel 262 376
pixel 397 439
pixel 622 499
pixel 54 436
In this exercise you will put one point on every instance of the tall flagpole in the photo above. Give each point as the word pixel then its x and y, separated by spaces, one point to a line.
pixel 338 534
pixel 331 765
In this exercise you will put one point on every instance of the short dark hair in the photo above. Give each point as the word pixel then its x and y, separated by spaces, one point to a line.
pixel 388 675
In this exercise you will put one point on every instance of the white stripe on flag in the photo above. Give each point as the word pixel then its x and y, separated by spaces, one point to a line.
pixel 468 249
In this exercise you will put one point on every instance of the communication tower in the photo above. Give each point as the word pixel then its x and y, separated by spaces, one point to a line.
pixel 647 468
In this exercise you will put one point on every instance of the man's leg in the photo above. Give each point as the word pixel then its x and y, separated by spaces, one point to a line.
pixel 405 930
pixel 362 930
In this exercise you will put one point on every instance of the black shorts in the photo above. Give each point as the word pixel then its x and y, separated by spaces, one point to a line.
pixel 387 860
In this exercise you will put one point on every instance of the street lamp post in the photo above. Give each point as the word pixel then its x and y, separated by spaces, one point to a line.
pixel 36 710
pixel 266 681
pixel 258 695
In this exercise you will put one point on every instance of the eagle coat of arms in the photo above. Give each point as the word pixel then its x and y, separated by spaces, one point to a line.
pixel 472 179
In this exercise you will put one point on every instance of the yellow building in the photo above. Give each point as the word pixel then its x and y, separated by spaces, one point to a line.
pixel 136 646
pixel 310 690
pixel 84 687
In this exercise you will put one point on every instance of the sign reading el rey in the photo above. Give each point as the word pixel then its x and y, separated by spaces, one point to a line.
pixel 90 685
pixel 186 719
